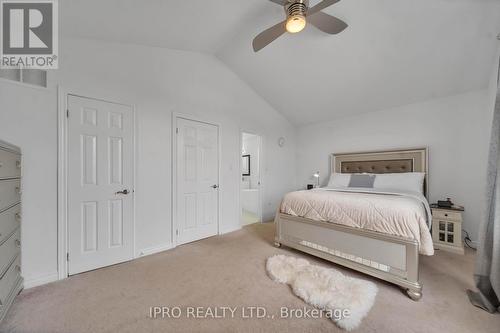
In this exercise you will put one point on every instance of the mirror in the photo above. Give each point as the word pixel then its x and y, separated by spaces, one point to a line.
pixel 245 165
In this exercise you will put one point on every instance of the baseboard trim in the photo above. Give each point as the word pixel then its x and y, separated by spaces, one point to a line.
pixel 36 281
pixel 154 249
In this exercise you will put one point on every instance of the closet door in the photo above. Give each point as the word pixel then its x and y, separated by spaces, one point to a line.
pixel 100 183
pixel 197 180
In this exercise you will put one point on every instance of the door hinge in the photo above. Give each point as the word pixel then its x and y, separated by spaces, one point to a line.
pixel 177 232
pixel 67 256
pixel 67 113
pixel 177 130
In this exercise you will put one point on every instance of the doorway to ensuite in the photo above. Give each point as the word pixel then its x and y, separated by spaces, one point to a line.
pixel 251 185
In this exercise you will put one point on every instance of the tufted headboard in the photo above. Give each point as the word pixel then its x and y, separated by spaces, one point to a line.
pixel 393 161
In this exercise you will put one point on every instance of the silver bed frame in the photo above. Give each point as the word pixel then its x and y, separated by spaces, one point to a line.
pixel 387 257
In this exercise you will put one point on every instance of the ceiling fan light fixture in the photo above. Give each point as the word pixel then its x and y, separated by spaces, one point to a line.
pixel 295 23
pixel 298 16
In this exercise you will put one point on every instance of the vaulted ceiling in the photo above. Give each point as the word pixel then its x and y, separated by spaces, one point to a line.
pixel 394 52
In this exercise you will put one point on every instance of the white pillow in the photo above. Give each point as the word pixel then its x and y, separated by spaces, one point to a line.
pixel 406 181
pixel 339 179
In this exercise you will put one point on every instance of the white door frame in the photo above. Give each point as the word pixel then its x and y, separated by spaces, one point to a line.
pixel 62 174
pixel 261 186
pixel 175 116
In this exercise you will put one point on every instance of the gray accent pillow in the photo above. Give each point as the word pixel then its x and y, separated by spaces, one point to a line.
pixel 362 181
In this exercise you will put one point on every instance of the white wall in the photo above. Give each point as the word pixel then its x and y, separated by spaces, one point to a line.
pixel 28 120
pixel 456 130
pixel 158 82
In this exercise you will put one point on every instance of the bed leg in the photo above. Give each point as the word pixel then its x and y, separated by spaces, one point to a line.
pixel 277 244
pixel 414 294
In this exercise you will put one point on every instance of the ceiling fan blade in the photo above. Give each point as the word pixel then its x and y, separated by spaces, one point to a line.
pixel 268 36
pixel 327 23
pixel 320 6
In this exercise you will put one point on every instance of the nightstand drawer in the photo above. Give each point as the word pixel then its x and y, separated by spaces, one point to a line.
pixel 446 215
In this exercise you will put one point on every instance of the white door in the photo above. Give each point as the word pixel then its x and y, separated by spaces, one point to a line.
pixel 197 180
pixel 100 184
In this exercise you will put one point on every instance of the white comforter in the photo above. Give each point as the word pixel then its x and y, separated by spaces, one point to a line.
pixel 391 212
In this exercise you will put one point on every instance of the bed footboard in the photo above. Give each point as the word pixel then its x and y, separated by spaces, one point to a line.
pixel 390 258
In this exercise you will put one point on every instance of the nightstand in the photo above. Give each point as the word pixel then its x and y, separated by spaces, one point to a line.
pixel 447 229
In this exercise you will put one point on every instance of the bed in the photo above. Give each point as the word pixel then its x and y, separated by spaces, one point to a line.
pixel 310 221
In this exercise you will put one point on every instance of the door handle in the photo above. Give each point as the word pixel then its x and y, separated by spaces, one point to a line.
pixel 215 186
pixel 123 192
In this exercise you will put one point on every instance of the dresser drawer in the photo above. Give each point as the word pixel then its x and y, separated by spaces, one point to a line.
pixel 10 193
pixel 10 220
pixel 9 280
pixel 446 215
pixel 10 164
pixel 9 250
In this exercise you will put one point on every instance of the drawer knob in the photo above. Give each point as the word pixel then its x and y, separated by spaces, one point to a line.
pixel 446 215
pixel 18 217
pixel 18 242
pixel 18 164
pixel 18 189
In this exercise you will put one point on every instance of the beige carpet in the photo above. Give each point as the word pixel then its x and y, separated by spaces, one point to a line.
pixel 230 271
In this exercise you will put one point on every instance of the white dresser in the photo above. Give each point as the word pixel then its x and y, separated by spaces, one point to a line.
pixel 10 226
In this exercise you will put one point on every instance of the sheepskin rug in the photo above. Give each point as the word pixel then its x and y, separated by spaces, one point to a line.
pixel 325 288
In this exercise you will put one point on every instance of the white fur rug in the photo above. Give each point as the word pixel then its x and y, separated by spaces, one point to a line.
pixel 326 289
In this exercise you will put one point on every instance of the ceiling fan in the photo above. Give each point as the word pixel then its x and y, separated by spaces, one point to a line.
pixel 298 14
